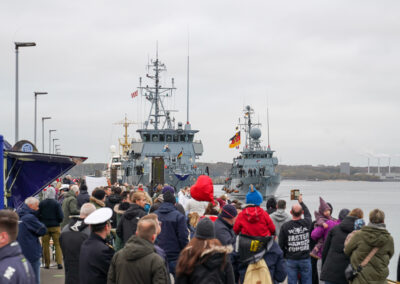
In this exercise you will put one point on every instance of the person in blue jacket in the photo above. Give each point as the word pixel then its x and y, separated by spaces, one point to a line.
pixel 14 268
pixel 30 229
pixel 174 232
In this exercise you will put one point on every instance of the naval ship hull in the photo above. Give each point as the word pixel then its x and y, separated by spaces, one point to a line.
pixel 266 185
pixel 177 181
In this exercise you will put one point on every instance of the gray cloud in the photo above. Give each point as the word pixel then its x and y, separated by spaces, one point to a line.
pixel 328 68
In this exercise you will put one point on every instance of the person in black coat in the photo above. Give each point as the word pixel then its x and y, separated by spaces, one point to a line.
pixel 128 222
pixel 96 254
pixel 71 239
pixel 224 225
pixel 112 200
pixel 83 196
pixel 51 214
pixel 398 270
pixel 334 260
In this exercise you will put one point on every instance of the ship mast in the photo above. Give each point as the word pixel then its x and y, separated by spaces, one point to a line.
pixel 124 143
pixel 155 96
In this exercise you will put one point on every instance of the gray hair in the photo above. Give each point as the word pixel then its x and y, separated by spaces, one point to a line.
pixel 31 201
pixel 87 209
pixel 75 188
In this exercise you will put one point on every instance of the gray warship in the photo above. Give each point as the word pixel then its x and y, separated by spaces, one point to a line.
pixel 256 164
pixel 164 153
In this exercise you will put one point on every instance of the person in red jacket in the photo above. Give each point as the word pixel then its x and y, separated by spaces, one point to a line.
pixel 253 220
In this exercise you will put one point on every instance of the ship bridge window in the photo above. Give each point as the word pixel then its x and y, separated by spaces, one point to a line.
pixel 183 138
pixel 162 137
pixel 258 156
pixel 155 137
pixel 169 138
pixel 269 155
pixel 146 137
pixel 176 138
pixel 190 136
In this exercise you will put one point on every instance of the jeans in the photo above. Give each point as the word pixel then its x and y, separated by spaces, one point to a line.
pixel 54 233
pixel 299 266
pixel 36 269
pixel 172 265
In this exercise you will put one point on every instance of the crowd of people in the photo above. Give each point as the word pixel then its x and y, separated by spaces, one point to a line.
pixel 135 234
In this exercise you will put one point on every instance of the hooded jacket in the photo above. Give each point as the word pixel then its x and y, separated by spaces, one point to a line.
pixel 137 262
pixel 71 238
pixel 361 245
pixel 279 217
pixel 69 207
pixel 111 202
pixel 128 223
pixel 174 232
pixel 29 231
pixel 334 261
pixel 208 268
pixel 254 221
pixel 14 269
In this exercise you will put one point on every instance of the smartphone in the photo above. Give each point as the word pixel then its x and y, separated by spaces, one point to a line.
pixel 294 194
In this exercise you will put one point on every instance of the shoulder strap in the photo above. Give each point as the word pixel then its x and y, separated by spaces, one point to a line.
pixel 369 256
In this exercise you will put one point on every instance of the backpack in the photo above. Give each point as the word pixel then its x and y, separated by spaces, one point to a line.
pixel 258 273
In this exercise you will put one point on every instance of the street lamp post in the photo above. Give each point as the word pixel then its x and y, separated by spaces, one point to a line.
pixel 54 139
pixel 17 46
pixel 50 131
pixel 43 119
pixel 37 94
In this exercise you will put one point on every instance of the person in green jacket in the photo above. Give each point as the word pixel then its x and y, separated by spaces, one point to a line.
pixel 138 261
pixel 70 205
pixel 361 244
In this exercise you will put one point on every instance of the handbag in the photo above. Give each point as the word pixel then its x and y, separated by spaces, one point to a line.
pixel 351 273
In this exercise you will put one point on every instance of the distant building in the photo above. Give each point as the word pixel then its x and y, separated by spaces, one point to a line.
pixel 345 168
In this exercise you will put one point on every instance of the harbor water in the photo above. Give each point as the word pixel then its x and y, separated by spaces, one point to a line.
pixel 350 194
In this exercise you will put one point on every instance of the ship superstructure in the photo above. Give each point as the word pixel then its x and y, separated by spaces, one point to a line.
pixel 164 153
pixel 255 165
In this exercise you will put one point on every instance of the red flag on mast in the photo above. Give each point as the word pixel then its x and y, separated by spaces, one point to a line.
pixel 134 94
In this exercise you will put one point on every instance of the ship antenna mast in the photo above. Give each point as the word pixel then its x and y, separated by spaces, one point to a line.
pixel 187 102
pixel 268 124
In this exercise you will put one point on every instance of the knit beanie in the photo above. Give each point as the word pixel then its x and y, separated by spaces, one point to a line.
pixel 99 194
pixel 358 224
pixel 168 188
pixel 169 197
pixel 228 211
pixel 254 197
pixel 205 229
pixel 323 206
pixel 343 213
pixel 50 193
pixel 271 203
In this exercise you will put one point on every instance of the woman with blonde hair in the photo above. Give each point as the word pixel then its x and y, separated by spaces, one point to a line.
pixel 204 259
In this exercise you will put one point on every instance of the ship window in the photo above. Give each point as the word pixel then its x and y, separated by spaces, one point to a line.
pixel 155 138
pixel 169 138
pixel 258 156
pixel 191 136
pixel 183 138
pixel 176 138
pixel 162 137
pixel 146 137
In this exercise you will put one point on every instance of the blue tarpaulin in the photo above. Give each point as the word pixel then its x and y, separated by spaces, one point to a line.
pixel 28 173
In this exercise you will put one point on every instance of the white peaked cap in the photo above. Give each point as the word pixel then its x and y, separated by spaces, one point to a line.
pixel 99 216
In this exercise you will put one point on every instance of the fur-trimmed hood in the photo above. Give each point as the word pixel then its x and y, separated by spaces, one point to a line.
pixel 217 249
pixel 96 202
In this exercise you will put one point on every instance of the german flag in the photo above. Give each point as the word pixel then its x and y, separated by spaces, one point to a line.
pixel 180 155
pixel 235 140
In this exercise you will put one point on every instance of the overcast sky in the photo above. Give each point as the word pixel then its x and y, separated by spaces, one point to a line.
pixel 329 70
